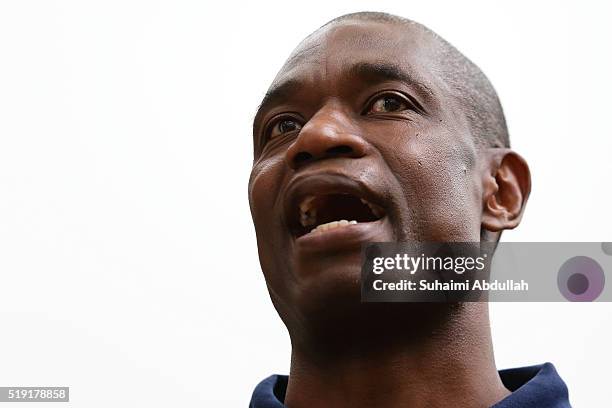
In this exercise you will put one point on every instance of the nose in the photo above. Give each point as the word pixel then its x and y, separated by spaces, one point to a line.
pixel 328 134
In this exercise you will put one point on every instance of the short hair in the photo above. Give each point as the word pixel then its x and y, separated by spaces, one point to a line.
pixel 468 84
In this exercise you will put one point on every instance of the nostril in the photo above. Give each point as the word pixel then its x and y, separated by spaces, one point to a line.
pixel 339 150
pixel 302 157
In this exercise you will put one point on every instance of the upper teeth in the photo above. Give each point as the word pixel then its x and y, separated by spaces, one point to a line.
pixel 308 215
pixel 376 210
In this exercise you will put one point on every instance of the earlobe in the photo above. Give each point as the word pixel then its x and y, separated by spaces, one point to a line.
pixel 507 184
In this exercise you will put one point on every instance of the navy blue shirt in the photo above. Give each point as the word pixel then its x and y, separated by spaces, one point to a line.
pixel 537 386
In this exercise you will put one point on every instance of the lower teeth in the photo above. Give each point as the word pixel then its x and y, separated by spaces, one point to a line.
pixel 332 225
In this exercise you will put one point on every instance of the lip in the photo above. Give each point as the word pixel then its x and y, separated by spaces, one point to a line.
pixel 345 238
pixel 323 183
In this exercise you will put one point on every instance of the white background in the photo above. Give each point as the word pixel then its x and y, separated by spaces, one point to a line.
pixel 128 261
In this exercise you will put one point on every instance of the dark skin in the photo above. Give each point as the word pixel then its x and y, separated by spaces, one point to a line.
pixel 359 110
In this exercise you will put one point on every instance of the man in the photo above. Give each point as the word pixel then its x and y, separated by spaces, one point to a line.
pixel 377 130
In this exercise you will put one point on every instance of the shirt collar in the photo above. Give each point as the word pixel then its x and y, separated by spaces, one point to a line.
pixel 535 386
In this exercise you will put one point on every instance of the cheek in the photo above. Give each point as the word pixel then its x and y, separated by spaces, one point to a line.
pixel 440 185
pixel 264 186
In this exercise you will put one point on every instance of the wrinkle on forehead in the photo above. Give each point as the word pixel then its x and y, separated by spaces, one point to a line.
pixel 374 41
pixel 302 54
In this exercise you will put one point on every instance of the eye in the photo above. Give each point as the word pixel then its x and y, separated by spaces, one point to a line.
pixel 283 126
pixel 388 103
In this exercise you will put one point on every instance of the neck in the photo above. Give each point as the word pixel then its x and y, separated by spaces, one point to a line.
pixel 395 365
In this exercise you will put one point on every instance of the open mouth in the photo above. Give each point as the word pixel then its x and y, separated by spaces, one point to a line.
pixel 320 213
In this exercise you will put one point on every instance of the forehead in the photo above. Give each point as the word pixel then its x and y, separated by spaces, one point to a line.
pixel 334 51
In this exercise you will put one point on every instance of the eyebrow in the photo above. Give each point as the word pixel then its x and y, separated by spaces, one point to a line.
pixel 277 93
pixel 373 72
pixel 369 72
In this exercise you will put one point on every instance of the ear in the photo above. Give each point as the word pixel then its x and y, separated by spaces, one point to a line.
pixel 507 184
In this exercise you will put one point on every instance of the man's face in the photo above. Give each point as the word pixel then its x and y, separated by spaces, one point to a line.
pixel 359 128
